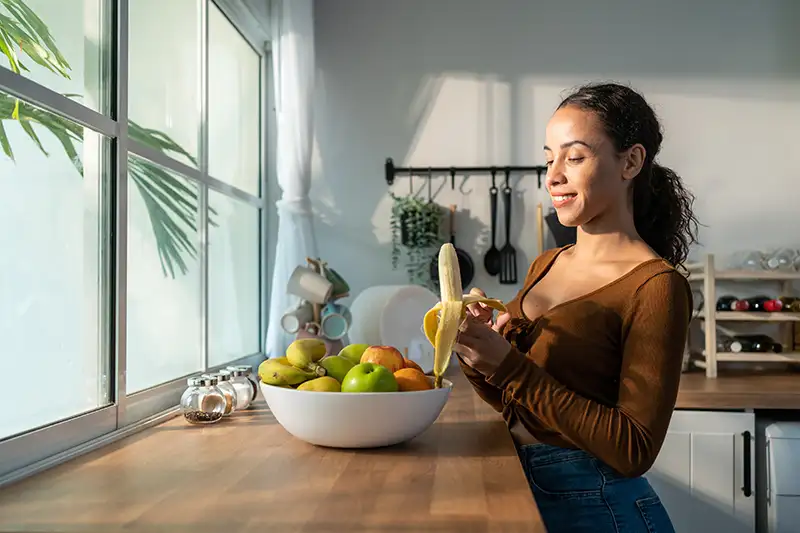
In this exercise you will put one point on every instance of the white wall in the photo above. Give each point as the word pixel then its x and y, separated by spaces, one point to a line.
pixel 49 309
pixel 469 82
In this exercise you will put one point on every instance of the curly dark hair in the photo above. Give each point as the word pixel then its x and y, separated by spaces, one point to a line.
pixel 662 206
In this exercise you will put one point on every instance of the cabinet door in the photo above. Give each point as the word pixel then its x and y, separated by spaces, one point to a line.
pixel 700 472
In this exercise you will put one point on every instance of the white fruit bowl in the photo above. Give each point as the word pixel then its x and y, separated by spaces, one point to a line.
pixel 356 419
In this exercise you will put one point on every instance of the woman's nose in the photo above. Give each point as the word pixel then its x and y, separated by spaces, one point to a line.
pixel 555 176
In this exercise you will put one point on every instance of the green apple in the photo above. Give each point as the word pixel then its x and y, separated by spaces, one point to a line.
pixel 369 377
pixel 336 366
pixel 353 352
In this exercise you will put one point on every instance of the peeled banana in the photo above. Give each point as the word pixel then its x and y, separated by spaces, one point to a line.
pixel 304 354
pixel 441 322
pixel 280 372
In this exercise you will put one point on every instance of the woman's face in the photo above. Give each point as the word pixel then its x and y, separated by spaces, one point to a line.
pixel 586 178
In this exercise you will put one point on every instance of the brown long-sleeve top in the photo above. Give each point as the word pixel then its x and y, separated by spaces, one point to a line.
pixel 600 372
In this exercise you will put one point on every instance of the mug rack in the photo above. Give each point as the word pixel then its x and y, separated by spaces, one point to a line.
pixel 429 172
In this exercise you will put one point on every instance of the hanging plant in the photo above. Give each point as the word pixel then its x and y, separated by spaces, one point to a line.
pixel 415 227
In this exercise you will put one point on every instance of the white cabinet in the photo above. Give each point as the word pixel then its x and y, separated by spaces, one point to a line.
pixel 705 472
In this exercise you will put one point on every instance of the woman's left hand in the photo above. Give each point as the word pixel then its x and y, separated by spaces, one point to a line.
pixel 480 346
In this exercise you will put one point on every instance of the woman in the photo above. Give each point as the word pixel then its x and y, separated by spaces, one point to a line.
pixel 585 365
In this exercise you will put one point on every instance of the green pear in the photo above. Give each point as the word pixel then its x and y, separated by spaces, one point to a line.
pixel 323 384
pixel 353 352
pixel 337 366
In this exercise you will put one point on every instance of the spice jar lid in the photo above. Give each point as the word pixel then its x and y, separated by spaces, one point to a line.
pixel 202 381
pixel 222 375
pixel 244 370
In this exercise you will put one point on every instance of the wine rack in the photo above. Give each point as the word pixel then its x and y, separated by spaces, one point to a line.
pixel 710 357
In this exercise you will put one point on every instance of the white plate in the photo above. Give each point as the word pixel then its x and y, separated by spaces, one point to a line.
pixel 401 323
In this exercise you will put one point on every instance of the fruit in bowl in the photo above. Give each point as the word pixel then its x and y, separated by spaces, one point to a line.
pixel 369 377
pixel 372 405
pixel 356 419
pixel 387 356
pixel 336 366
pixel 353 352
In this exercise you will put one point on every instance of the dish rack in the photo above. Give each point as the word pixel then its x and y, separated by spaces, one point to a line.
pixel 706 272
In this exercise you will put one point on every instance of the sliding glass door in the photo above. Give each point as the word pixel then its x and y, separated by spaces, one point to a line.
pixel 132 248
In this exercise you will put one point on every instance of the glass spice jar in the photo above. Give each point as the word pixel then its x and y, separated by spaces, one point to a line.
pixel 224 384
pixel 243 387
pixel 248 373
pixel 203 402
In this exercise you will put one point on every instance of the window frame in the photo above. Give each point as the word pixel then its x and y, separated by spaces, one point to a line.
pixel 30 452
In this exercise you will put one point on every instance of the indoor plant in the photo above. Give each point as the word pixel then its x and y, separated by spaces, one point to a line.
pixel 169 202
pixel 415 226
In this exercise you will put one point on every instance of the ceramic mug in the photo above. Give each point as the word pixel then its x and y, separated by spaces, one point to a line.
pixel 297 317
pixel 309 285
pixel 335 321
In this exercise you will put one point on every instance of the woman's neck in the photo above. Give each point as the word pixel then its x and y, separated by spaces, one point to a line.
pixel 606 237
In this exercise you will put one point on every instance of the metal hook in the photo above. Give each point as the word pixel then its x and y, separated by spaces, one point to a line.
pixel 494 184
pixel 539 178
pixel 410 181
pixel 508 174
pixel 452 178
pixel 430 179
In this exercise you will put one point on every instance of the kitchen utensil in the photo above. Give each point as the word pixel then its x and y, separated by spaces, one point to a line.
pixel 297 317
pixel 309 285
pixel 355 419
pixel 508 255
pixel 491 261
pixel 335 321
pixel 465 263
pixel 390 314
pixel 401 321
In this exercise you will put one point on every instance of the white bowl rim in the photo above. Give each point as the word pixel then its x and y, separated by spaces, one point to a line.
pixel 448 385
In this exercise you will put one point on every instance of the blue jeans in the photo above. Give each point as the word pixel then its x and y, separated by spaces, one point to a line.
pixel 577 493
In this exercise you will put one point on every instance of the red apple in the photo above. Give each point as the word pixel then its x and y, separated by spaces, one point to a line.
pixel 386 356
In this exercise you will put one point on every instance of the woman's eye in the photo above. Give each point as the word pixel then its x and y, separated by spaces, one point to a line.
pixel 548 163
pixel 575 159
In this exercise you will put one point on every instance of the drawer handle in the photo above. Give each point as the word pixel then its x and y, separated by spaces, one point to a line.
pixel 747 489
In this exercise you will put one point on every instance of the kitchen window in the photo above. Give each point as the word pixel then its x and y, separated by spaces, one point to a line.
pixel 132 202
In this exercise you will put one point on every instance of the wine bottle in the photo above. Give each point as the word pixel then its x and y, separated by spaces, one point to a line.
pixel 731 303
pixel 790 304
pixel 729 345
pixel 764 304
pixel 759 343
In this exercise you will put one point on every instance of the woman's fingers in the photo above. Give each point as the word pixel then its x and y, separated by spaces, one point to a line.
pixel 478 292
pixel 502 320
pixel 480 310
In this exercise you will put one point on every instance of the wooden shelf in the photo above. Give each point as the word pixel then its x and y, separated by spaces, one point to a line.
pixel 706 272
pixel 753 316
pixel 759 357
pixel 749 275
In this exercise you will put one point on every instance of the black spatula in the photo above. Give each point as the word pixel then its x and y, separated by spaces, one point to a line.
pixel 508 255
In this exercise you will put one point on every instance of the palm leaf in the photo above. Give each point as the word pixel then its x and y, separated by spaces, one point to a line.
pixel 30 34
pixel 172 240
pixel 4 142
pixel 171 204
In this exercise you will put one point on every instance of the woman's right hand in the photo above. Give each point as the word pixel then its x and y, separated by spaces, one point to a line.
pixel 484 313
pixel 480 311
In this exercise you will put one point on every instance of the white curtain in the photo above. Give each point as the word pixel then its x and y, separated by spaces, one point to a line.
pixel 293 61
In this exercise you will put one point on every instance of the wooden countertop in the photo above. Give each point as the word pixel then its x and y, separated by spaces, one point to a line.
pixel 740 390
pixel 249 475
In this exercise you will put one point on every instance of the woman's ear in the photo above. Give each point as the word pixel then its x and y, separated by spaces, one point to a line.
pixel 634 161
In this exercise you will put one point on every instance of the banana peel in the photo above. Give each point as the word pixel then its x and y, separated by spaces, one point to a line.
pixel 442 321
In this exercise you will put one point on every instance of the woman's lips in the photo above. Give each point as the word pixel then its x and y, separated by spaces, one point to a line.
pixel 560 200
